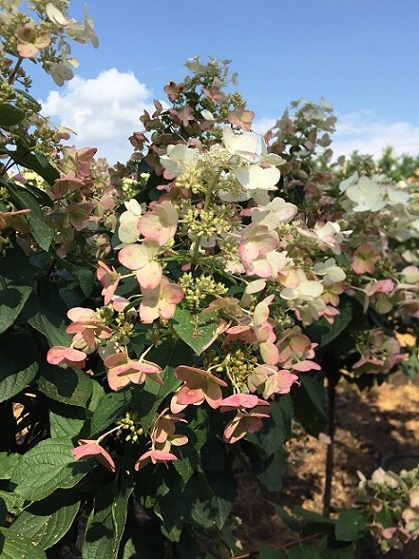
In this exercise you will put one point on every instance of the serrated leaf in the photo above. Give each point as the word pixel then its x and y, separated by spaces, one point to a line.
pixel 98 393
pixel 8 463
pixel 46 312
pixel 69 386
pixel 16 281
pixel 65 421
pixel 351 525
pixel 276 428
pixel 332 549
pixel 221 503
pixel 323 333
pixel 46 467
pixel 41 231
pixel 308 399
pixel 10 115
pixel 272 471
pixel 85 279
pixel 46 522
pixel 311 515
pixel 195 330
pixel 108 409
pixel 106 523
pixel 266 552
pixel 290 521
pixel 147 398
pixel 14 503
pixel 17 368
pixel 13 546
pixel 302 551
pixel 36 161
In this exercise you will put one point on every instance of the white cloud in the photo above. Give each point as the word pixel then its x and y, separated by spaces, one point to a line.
pixel 367 133
pixel 103 111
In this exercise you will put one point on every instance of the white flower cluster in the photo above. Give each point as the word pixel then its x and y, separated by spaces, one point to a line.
pixel 372 194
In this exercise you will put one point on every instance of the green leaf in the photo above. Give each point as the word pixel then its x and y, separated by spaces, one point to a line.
pixel 109 408
pixel 311 515
pixel 323 333
pixel 221 503
pixel 8 463
pixel 351 525
pixel 16 281
pixel 14 503
pixel 98 393
pixel 13 546
pixel 85 279
pixel 106 523
pixel 308 401
pixel 177 508
pixel 46 522
pixel 3 511
pixel 66 421
pixel 10 115
pixel 195 330
pixel 271 473
pixel 289 520
pixel 46 312
pixel 41 231
pixel 46 467
pixel 302 551
pixel 277 428
pixel 17 368
pixel 69 386
pixel 329 548
pixel 36 161
pixel 147 398
pixel 266 552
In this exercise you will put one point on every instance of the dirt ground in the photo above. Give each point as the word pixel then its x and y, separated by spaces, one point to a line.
pixel 379 427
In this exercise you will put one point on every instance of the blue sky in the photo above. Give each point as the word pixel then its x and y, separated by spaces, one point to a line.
pixel 362 56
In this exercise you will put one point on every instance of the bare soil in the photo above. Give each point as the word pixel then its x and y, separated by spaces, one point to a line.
pixel 379 427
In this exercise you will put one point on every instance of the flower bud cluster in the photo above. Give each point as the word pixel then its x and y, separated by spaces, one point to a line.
pixel 392 503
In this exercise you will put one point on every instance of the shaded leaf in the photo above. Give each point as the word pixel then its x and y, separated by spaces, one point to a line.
pixel 46 467
pixel 16 281
pixel 13 546
pixel 8 463
pixel 106 523
pixel 108 409
pixel 266 552
pixel 351 525
pixel 65 421
pixel 17 368
pixel 41 231
pixel 302 551
pixel 308 399
pixel 36 161
pixel 323 333
pixel 46 522
pixel 69 386
pixel 10 115
pixel 195 330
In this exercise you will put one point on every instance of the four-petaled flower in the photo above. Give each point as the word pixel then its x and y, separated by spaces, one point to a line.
pixel 143 259
pixel 160 224
pixel 154 455
pixel 244 421
pixel 31 40
pixel 199 386
pixel 122 370
pixel 160 301
pixel 60 355
pixel 92 449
